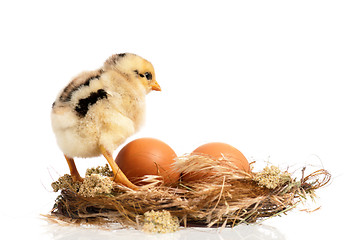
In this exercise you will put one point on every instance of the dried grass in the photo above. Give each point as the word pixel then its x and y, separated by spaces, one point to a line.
pixel 226 198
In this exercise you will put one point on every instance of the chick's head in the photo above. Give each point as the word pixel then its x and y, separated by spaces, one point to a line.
pixel 135 67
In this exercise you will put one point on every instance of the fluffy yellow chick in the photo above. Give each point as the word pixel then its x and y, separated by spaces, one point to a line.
pixel 98 110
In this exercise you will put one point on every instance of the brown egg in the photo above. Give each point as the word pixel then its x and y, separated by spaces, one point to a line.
pixel 219 151
pixel 147 156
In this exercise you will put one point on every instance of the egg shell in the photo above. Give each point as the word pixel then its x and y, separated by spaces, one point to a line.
pixel 148 156
pixel 220 151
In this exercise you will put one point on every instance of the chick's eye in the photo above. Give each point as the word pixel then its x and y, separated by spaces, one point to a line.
pixel 148 76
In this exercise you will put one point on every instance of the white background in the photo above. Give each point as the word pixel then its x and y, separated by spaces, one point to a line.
pixel 280 80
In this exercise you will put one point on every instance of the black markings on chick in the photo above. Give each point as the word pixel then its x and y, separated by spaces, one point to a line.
pixel 114 58
pixel 71 88
pixel 137 72
pixel 85 103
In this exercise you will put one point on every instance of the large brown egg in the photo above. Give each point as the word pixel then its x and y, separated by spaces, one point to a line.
pixel 147 156
pixel 219 151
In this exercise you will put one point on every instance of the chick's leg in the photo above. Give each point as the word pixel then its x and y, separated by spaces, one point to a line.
pixel 119 176
pixel 73 169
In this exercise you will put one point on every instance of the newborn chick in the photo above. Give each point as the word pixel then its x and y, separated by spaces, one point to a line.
pixel 98 110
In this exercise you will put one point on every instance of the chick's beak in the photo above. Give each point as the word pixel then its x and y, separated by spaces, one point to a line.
pixel 155 86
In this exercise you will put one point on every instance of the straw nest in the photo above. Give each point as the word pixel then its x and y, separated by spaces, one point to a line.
pixel 226 198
